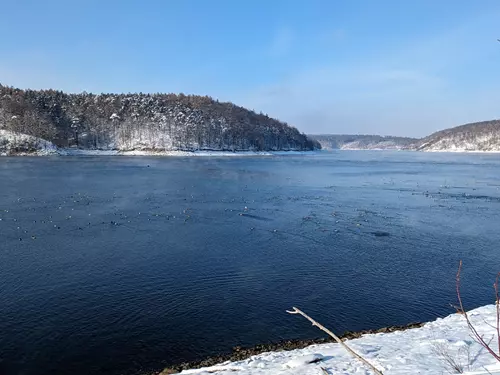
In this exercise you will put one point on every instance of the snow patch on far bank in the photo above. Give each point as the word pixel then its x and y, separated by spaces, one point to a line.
pixel 80 152
pixel 463 150
pixel 398 353
pixel 12 143
pixel 196 153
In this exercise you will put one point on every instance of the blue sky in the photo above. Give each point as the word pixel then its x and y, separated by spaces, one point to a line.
pixel 406 67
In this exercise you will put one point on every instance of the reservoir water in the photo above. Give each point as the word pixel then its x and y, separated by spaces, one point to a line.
pixel 121 265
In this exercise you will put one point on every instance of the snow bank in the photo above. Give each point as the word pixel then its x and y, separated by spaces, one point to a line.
pixel 79 152
pixel 460 150
pixel 12 143
pixel 22 144
pixel 196 153
pixel 415 351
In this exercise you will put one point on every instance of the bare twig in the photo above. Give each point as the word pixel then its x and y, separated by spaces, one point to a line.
pixel 321 327
pixel 453 360
pixel 476 336
pixel 488 324
pixel 469 363
pixel 497 302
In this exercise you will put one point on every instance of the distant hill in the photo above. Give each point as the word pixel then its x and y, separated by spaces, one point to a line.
pixel 155 122
pixel 363 142
pixel 479 136
pixel 42 121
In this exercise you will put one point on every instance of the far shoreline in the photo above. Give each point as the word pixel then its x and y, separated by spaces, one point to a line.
pixel 177 153
pixel 66 152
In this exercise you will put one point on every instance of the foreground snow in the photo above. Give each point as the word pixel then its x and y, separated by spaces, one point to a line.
pixel 415 351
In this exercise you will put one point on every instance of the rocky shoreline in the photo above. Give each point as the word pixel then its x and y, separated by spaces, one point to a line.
pixel 239 353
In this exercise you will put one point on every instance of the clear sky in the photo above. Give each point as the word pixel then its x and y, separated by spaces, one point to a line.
pixel 400 67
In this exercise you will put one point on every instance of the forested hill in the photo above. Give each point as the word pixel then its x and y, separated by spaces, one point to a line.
pixel 479 136
pixel 143 122
pixel 363 142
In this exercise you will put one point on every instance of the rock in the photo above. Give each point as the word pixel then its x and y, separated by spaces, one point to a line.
pixel 168 371
pixel 304 360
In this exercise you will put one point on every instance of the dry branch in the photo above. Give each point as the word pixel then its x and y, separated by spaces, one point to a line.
pixel 475 335
pixel 336 338
pixel 497 303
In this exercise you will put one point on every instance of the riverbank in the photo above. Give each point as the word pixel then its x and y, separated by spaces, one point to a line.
pixel 77 152
pixel 430 348
pixel 201 153
pixel 239 353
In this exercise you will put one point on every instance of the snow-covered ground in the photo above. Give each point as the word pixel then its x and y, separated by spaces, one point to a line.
pixel 464 142
pixel 379 145
pixel 18 144
pixel 460 150
pixel 79 152
pixel 415 351
pixel 197 153
pixel 23 144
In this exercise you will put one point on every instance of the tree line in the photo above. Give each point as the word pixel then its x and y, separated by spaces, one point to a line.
pixel 144 121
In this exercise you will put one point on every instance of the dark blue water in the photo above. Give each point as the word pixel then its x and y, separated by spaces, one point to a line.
pixel 116 265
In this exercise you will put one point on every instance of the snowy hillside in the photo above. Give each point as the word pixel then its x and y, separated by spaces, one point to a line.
pixel 382 145
pixel 140 122
pixel 475 137
pixel 426 350
pixel 481 136
pixel 363 142
pixel 18 144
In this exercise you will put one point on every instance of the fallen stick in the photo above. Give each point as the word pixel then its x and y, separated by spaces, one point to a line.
pixel 336 338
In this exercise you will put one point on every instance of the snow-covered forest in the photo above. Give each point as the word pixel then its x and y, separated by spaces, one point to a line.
pixel 479 136
pixel 363 142
pixel 474 137
pixel 153 122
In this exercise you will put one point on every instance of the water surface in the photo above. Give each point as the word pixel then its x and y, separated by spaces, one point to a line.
pixel 117 265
